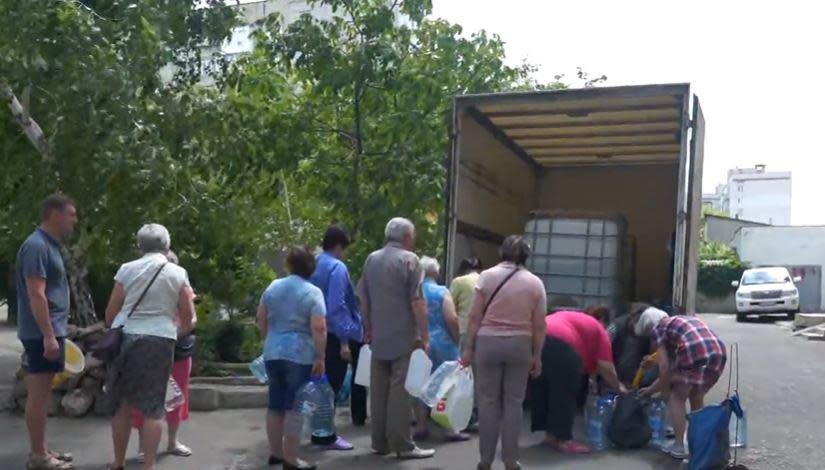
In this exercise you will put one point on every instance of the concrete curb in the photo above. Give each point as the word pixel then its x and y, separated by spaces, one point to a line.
pixel 211 396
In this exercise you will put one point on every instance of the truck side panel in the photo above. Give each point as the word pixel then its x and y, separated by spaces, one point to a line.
pixel 494 193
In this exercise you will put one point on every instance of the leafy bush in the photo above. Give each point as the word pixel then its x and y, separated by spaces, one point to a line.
pixel 718 266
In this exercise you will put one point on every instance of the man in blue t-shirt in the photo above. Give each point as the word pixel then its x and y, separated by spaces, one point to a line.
pixel 43 315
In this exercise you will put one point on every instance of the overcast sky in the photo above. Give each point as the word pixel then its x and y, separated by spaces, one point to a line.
pixel 759 71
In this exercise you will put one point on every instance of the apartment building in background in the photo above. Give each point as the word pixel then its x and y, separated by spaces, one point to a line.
pixel 754 194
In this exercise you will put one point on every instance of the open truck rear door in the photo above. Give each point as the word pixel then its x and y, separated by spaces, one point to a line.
pixel 687 241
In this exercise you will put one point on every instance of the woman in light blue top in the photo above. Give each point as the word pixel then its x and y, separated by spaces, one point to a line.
pixel 292 316
pixel 444 334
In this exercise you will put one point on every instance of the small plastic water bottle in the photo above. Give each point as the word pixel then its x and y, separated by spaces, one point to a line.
pixel 258 368
pixel 738 437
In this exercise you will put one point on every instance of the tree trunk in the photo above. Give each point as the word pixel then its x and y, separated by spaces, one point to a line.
pixel 83 313
pixel 75 257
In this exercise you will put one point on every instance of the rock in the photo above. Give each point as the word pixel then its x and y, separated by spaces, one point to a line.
pixel 77 403
pixel 54 404
pixel 84 333
pixel 19 388
pixel 92 362
pixel 97 372
pixel 91 384
pixel 70 383
pixel 7 397
pixel 203 398
pixel 72 332
pixel 101 405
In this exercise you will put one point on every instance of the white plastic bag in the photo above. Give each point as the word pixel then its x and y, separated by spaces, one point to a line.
pixel 454 410
pixel 441 381
pixel 174 395
pixel 362 374
pixel 418 373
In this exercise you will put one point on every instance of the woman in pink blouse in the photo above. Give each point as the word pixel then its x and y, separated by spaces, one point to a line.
pixel 504 342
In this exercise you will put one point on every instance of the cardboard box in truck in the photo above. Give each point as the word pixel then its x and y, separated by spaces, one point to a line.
pixel 634 152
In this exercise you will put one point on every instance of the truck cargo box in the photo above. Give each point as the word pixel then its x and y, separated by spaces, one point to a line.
pixel 633 151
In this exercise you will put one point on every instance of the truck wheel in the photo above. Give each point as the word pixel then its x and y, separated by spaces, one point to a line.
pixel 792 316
pixel 741 317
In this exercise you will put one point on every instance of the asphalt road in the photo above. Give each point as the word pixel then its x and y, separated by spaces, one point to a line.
pixel 781 384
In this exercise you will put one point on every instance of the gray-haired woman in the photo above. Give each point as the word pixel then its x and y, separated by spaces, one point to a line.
pixel 153 302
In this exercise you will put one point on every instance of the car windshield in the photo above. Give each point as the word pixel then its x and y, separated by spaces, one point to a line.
pixel 773 276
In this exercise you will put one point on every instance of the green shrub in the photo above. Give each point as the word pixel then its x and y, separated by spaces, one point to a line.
pixel 718 266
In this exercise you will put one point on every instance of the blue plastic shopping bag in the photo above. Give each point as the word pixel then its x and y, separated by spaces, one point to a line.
pixel 708 439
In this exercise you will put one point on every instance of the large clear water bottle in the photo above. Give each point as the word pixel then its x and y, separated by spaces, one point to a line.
pixel 258 368
pixel 315 401
pixel 657 419
pixel 599 413
pixel 738 430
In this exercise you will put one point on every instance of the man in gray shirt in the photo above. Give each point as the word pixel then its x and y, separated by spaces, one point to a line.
pixel 43 315
pixel 395 317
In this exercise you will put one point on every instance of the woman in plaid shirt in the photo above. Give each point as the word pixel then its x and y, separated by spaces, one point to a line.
pixel 691 359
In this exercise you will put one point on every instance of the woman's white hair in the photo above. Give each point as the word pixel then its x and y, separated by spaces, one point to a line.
pixel 430 266
pixel 153 238
pixel 398 228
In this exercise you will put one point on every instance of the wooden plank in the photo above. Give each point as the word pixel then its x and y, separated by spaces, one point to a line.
pixel 529 143
pixel 577 94
pixel 550 161
pixel 479 233
pixel 578 112
pixel 668 128
pixel 610 117
pixel 604 104
pixel 499 135
pixel 608 150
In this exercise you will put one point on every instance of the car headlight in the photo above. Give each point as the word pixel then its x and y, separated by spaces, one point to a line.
pixel 790 292
pixel 743 295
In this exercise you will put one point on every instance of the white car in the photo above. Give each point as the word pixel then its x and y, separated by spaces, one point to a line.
pixel 766 291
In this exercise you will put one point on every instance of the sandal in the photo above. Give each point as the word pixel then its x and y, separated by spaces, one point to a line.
pixel 572 447
pixel 47 462
pixel 180 450
pixel 62 456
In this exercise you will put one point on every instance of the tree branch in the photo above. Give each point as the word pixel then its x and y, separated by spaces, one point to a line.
pixel 29 125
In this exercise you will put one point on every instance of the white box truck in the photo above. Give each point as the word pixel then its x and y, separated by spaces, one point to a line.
pixel 633 152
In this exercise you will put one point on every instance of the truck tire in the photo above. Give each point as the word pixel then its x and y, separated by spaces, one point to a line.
pixel 741 317
pixel 792 316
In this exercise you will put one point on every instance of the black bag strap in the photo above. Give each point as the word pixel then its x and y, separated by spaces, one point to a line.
pixel 490 300
pixel 143 294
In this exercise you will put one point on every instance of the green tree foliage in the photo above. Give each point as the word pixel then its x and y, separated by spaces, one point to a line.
pixel 131 147
pixel 374 86
pixel 718 266
pixel 343 119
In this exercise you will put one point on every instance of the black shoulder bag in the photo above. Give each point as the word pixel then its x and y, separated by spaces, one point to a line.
pixel 495 292
pixel 108 347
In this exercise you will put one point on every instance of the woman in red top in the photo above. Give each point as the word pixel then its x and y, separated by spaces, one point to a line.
pixel 576 345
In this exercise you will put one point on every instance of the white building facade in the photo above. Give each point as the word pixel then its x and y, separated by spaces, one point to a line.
pixel 756 195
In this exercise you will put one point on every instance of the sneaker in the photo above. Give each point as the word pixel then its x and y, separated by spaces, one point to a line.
pixel 416 453
pixel 180 450
pixel 676 451
pixel 456 437
pixel 339 444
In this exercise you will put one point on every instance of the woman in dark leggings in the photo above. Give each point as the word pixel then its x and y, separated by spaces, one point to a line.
pixel 576 345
